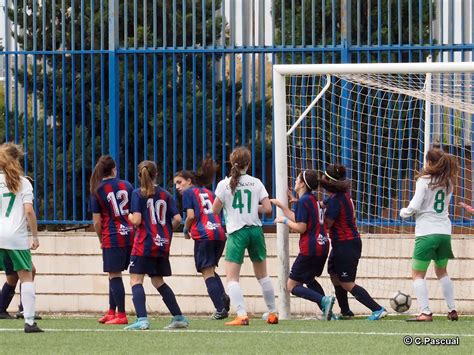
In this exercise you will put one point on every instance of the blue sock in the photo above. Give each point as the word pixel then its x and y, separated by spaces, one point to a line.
pixel 112 304
pixel 215 293
pixel 219 282
pixel 363 297
pixel 6 296
pixel 342 300
pixel 118 293
pixel 169 299
pixel 307 294
pixel 139 300
pixel 315 286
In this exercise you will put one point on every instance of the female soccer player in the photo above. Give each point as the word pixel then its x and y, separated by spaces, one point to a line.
pixel 308 220
pixel 243 197
pixel 155 214
pixel 205 228
pixel 110 205
pixel 429 205
pixel 346 243
pixel 16 210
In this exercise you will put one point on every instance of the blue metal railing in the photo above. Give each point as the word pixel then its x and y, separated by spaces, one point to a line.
pixel 177 80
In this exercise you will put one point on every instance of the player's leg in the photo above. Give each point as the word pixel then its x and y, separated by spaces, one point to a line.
pixel 139 266
pixel 258 254
pixel 443 254
pixel 341 294
pixel 234 257
pixel 118 262
pixel 8 290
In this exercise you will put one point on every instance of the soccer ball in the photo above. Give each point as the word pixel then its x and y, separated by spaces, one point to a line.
pixel 400 302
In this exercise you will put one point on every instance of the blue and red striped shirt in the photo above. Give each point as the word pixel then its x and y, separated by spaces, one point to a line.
pixel 112 201
pixel 153 235
pixel 340 209
pixel 206 225
pixel 314 241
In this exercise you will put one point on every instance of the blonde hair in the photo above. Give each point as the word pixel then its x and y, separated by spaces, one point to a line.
pixel 147 174
pixel 443 168
pixel 240 160
pixel 10 166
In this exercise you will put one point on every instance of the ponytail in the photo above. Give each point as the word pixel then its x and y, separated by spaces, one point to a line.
pixel 12 170
pixel 147 174
pixel 240 160
pixel 103 168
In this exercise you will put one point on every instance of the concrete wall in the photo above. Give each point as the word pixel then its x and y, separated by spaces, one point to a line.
pixel 70 277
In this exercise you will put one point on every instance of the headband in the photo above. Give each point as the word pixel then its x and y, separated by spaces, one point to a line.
pixel 329 176
pixel 304 179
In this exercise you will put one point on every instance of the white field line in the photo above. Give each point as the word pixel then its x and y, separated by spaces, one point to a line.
pixel 92 330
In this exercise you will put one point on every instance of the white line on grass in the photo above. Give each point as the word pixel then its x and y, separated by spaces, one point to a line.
pixel 92 330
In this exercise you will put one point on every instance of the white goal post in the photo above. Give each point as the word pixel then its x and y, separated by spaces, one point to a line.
pixel 425 83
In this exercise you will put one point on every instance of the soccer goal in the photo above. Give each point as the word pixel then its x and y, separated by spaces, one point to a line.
pixel 378 120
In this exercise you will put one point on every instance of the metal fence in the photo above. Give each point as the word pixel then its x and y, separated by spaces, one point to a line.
pixel 175 80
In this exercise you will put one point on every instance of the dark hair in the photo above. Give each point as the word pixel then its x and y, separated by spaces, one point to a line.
pixel 310 179
pixel 147 174
pixel 443 168
pixel 103 168
pixel 239 159
pixel 202 177
pixel 11 168
pixel 334 179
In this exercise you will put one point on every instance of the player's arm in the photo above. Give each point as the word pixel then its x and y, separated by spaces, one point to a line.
pixel 217 206
pixel 188 222
pixel 135 218
pixel 97 224
pixel 416 201
pixel 298 227
pixel 468 208
pixel 176 221
pixel 31 218
pixel 285 209
pixel 265 206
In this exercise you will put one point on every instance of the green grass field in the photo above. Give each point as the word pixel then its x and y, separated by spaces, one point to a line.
pixel 85 335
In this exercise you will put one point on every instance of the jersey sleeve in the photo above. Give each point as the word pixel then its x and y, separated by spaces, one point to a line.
pixel 188 200
pixel 94 204
pixel 333 208
pixel 26 191
pixel 301 212
pixel 135 205
pixel 263 192
pixel 220 190
pixel 420 193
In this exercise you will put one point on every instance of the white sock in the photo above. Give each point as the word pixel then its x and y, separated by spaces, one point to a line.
pixel 236 298
pixel 421 291
pixel 448 292
pixel 268 293
pixel 28 298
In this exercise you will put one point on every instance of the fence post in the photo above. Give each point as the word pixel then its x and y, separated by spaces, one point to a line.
pixel 345 101
pixel 114 139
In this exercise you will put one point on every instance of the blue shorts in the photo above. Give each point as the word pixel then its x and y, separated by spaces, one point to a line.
pixel 116 259
pixel 8 263
pixel 306 268
pixel 344 258
pixel 149 265
pixel 207 253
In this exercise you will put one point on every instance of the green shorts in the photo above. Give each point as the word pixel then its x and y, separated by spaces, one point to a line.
pixel 21 259
pixel 435 247
pixel 250 238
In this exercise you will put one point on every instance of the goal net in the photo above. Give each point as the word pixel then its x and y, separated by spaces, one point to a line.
pixel 378 120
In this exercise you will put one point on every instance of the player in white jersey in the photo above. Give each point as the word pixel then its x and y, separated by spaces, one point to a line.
pixel 243 197
pixel 429 206
pixel 16 209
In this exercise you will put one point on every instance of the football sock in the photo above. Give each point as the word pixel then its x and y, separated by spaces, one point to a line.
pixel 448 292
pixel 268 293
pixel 112 304
pixel 307 294
pixel 6 296
pixel 215 293
pixel 363 297
pixel 219 282
pixel 169 299
pixel 28 298
pixel 421 292
pixel 118 293
pixel 316 286
pixel 236 297
pixel 139 300
pixel 342 300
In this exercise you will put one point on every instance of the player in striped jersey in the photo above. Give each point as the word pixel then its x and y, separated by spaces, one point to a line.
pixel 155 214
pixel 205 228
pixel 110 205
pixel 314 243
pixel 16 211
pixel 429 205
pixel 346 243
